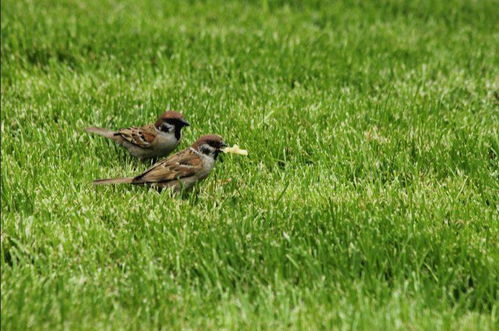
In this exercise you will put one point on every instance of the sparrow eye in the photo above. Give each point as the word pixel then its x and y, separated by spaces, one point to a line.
pixel 217 144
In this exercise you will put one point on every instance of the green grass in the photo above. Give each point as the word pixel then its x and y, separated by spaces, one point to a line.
pixel 370 199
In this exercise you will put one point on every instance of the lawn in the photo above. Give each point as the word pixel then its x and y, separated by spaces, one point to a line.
pixel 369 199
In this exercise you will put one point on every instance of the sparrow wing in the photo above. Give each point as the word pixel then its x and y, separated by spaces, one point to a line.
pixel 181 165
pixel 142 137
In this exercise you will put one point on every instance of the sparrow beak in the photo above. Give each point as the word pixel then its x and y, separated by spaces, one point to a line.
pixel 220 151
pixel 185 123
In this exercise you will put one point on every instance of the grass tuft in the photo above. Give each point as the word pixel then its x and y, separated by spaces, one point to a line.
pixel 369 198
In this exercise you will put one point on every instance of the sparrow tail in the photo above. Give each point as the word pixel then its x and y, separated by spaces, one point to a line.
pixel 101 132
pixel 113 181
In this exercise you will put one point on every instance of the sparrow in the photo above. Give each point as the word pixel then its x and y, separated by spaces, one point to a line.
pixel 149 141
pixel 181 170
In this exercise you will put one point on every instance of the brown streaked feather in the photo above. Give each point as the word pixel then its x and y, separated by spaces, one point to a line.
pixel 181 165
pixel 142 137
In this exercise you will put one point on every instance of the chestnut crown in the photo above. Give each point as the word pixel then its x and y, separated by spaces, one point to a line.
pixel 171 117
pixel 212 140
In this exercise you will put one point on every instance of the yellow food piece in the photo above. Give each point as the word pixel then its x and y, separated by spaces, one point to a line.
pixel 235 150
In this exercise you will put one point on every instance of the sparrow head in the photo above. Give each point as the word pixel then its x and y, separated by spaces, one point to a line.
pixel 210 145
pixel 171 122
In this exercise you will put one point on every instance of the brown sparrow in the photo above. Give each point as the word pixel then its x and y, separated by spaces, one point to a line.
pixel 181 170
pixel 153 140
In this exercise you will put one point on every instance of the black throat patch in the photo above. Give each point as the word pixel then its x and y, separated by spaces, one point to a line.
pixel 178 132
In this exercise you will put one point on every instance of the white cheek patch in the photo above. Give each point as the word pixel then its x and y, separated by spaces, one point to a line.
pixel 207 149
pixel 165 127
